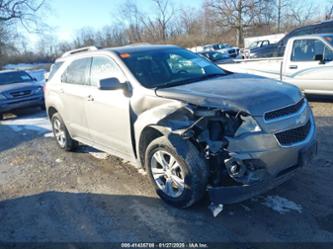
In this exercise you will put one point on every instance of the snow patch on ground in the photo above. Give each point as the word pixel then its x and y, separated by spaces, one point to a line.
pixel 50 134
pixel 281 205
pixel 215 209
pixel 36 123
pixel 95 153
pixel 99 155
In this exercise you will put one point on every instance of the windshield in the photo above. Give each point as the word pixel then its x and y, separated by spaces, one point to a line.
pixel 169 66
pixel 14 77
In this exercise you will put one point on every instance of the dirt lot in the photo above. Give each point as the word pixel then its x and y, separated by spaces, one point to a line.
pixel 50 195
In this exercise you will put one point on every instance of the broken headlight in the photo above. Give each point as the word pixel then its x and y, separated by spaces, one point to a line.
pixel 249 125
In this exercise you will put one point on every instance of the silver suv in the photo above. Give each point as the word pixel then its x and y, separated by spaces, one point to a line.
pixel 191 125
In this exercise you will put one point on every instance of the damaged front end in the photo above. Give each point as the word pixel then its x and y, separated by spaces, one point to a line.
pixel 241 157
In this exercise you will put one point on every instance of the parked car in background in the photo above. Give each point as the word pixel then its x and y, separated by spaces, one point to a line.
pixel 223 48
pixel 191 125
pixel 277 49
pixel 216 57
pixel 307 63
pixel 19 90
pixel 246 52
pixel 273 38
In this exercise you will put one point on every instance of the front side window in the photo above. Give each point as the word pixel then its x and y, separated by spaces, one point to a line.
pixel 77 72
pixel 307 50
pixel 14 77
pixel 103 68
pixel 169 66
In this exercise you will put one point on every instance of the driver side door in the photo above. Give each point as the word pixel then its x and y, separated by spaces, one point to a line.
pixel 107 111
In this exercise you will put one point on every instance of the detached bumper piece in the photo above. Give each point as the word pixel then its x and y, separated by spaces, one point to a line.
pixel 236 194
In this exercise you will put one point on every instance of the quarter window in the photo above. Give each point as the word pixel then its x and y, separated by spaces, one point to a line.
pixel 54 68
pixel 77 72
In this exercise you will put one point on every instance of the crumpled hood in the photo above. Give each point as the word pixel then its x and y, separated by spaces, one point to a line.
pixel 19 86
pixel 239 92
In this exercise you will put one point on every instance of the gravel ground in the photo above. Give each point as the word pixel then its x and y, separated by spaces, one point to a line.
pixel 48 195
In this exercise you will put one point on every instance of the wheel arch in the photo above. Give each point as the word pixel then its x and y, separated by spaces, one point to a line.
pixel 148 134
pixel 51 111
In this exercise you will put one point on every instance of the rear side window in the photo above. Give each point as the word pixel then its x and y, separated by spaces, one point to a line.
pixel 77 72
pixel 103 68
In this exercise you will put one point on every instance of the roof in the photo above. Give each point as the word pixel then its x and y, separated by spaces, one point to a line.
pixel 311 36
pixel 142 47
pixel 139 48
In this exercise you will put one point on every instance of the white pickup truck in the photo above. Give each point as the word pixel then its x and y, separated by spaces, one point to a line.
pixel 307 63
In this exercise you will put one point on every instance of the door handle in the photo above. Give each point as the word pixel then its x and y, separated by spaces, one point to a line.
pixel 293 67
pixel 90 98
pixel 61 90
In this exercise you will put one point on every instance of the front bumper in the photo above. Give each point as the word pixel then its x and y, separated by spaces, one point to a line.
pixel 235 194
pixel 277 162
pixel 11 105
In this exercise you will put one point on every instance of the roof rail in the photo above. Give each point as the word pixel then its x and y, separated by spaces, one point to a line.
pixel 79 50
pixel 137 44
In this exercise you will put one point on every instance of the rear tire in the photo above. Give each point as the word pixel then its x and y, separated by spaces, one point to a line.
pixel 63 138
pixel 182 180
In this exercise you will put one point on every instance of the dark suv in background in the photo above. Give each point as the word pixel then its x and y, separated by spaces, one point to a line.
pixel 277 49
pixel 19 90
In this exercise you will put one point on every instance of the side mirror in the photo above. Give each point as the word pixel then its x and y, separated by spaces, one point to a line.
pixel 34 79
pixel 110 84
pixel 320 58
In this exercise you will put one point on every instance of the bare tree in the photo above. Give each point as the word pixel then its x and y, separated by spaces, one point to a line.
pixel 329 13
pixel 23 11
pixel 165 13
pixel 237 14
pixel 131 15
pixel 280 6
pixel 302 12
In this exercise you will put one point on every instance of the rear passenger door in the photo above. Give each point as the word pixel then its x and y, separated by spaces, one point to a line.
pixel 75 88
pixel 108 113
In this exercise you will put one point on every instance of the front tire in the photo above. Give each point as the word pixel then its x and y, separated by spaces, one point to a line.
pixel 63 138
pixel 179 175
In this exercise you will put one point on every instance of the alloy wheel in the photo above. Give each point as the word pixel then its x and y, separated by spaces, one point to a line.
pixel 167 173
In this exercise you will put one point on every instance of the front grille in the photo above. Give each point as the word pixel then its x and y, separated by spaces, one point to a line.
pixel 284 111
pixel 293 136
pixel 20 94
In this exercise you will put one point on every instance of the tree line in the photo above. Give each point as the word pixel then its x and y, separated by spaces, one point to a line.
pixel 213 21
